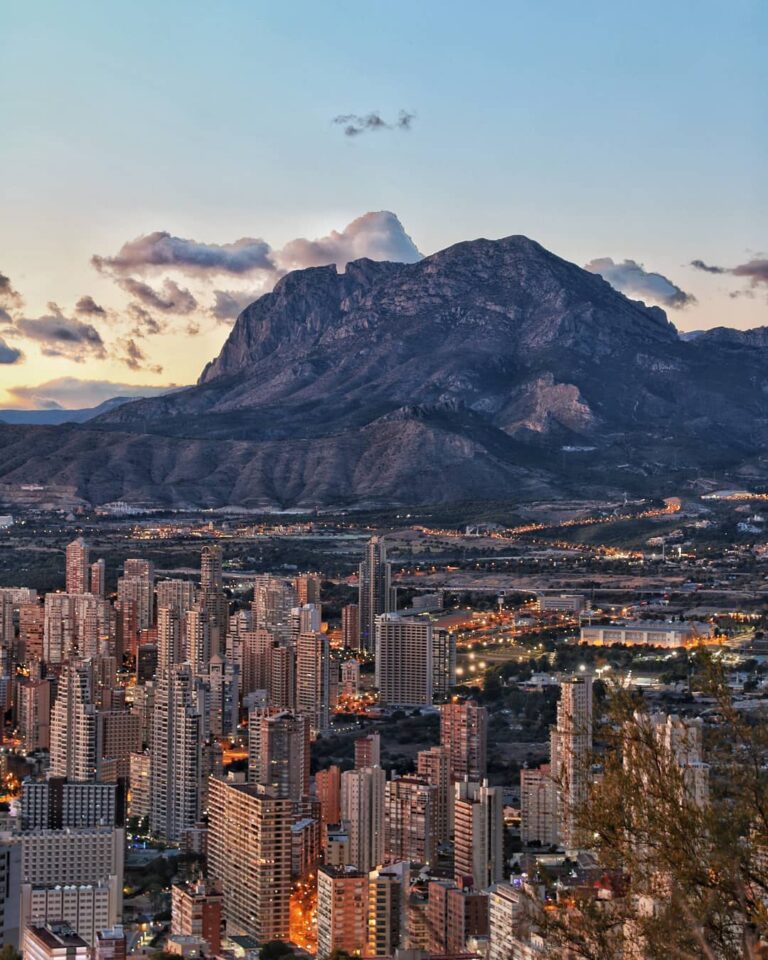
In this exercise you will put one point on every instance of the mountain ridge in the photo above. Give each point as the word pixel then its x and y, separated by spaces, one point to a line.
pixel 464 375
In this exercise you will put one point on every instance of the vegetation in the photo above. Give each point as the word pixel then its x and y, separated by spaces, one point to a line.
pixel 686 876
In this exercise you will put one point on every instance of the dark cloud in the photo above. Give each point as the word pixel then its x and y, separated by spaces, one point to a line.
pixel 354 124
pixel 144 324
pixel 62 336
pixel 129 353
pixel 193 328
pixel 8 296
pixel 631 279
pixel 707 268
pixel 72 393
pixel 229 304
pixel 754 270
pixel 171 299
pixel 160 250
pixel 87 306
pixel 5 317
pixel 9 354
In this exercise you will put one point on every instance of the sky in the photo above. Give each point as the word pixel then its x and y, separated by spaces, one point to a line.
pixel 161 164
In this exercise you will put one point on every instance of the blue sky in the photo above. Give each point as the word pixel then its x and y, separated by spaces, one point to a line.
pixel 601 129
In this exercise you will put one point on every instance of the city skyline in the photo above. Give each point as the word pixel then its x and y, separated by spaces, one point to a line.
pixel 131 180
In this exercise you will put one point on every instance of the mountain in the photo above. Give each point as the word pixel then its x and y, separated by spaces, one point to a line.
pixel 58 415
pixel 491 370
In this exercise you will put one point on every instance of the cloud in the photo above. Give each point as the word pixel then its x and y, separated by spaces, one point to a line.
pixel 172 299
pixel 707 268
pixel 754 270
pixel 354 124
pixel 229 304
pixel 5 317
pixel 631 279
pixel 144 324
pixel 162 251
pixel 8 296
pixel 9 354
pixel 129 353
pixel 87 306
pixel 71 394
pixel 62 336
pixel 378 235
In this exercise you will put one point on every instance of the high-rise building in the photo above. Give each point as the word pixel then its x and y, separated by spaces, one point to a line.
pixel 34 711
pixel 342 910
pixel 31 631
pixel 74 753
pixel 74 855
pixel 328 791
pixel 176 752
pixel 453 915
pixel 54 941
pixel 77 561
pixel 464 731
pixel 281 682
pixel 212 594
pixel 404 660
pixel 169 649
pixel 110 944
pixel 99 578
pixel 539 821
pixel 375 592
pixel 279 753
pixel 10 890
pixel 56 804
pixel 434 766
pixel 368 751
pixel 313 662
pixel 249 855
pixel 118 735
pixel 350 678
pixel 140 591
pixel 478 824
pixel 196 912
pixel 570 746
pixel 178 594
pixel 387 908
pixel 224 696
pixel 350 626
pixel 86 907
pixel 362 808
pixel 409 821
pixel 307 587
pixel 140 783
pixel 273 600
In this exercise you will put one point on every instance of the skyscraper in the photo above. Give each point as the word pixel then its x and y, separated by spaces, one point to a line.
pixel 279 753
pixel 342 910
pixel 176 751
pixel 434 765
pixel 375 592
pixel 464 731
pixel 313 663
pixel 249 854
pixel 99 578
pixel 77 561
pixel 362 807
pixel 570 746
pixel 169 649
pixel 73 725
pixel 403 660
pixel 409 821
pixel 478 823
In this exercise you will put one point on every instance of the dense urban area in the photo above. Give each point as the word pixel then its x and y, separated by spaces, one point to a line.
pixel 372 734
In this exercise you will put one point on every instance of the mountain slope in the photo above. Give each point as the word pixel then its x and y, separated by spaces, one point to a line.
pixel 477 373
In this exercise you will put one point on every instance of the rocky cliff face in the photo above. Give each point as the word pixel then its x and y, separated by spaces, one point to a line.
pixel 473 374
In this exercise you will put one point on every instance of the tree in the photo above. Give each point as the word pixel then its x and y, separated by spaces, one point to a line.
pixel 275 950
pixel 9 952
pixel 683 845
